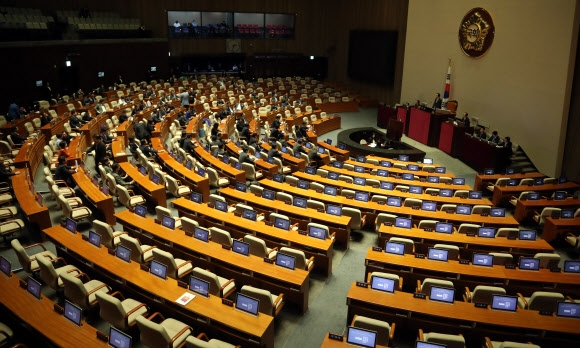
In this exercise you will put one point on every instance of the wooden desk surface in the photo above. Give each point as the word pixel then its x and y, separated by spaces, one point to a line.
pixel 526 207
pixel 554 227
pixel 500 192
pixel 119 150
pixel 221 167
pixel 259 163
pixel 30 154
pixel 394 160
pixel 293 162
pixel 341 155
pixel 398 171
pixel 481 179
pixel 35 213
pixel 157 192
pixel 102 202
pixel 379 191
pixel 328 343
pixel 40 315
pixel 374 207
pixel 260 328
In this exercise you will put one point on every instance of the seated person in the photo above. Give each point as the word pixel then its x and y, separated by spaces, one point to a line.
pixel 494 138
pixel 244 157
pixel 313 156
pixel 74 121
pixel 100 108
pixel 64 172
pixel 465 119
pixel 188 145
pixel 63 151
pixel 16 138
pixel 481 133
pixel 86 117
pixel 133 146
pixel 273 152
pixel 299 146
pixel 147 150
pixel 107 165
pixel 120 179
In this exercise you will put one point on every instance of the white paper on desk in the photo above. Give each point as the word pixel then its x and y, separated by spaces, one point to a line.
pixel 185 298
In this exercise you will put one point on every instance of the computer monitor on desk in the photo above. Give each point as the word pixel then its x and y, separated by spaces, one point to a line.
pixel 361 337
pixel 382 284
pixel 529 263
pixel 199 286
pixel 395 248
pixel 441 294
pixel 568 310
pixel 504 303
pixel 444 227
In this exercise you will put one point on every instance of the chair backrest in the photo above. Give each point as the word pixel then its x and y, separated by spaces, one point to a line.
pixel 124 196
pixel 300 262
pixel 382 328
pixel 545 301
pixel 484 293
pixel 501 259
pixel 453 250
pixel 507 232
pixel 461 193
pixel 257 246
pixel 152 334
pixel 548 260
pixel 214 197
pixel 355 217
pixel 427 224
pixel 324 227
pixel 111 310
pixel 549 212
pixel 481 209
pixel 427 283
pixel 383 218
pixel 449 207
pixel 394 277
pixel 161 211
pixel 468 228
pixel 255 189
pixel 283 196
pixel 112 184
pixel 314 204
pixel 23 257
pixel 220 236
pixel 264 296
pixel 451 341
pixel 211 278
pixel 106 232
pixel 412 202
pixel 135 247
pixel 167 259
pixel 74 290
pixel 250 171
pixel 47 272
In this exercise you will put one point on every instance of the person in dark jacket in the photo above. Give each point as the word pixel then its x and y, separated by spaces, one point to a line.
pixel 100 149
pixel 64 172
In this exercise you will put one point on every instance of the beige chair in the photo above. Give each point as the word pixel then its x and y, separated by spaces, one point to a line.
pixel 468 228
pixel 50 275
pixel 502 259
pixel 409 244
pixel 423 224
pixel 547 212
pixel 482 294
pixel 284 197
pixel 168 333
pixel 300 258
pixel 541 301
pixel 548 260
pixel 357 220
pixel 82 294
pixel 412 202
pixel 345 178
pixel 384 218
pixel 6 332
pixel 139 253
pixel 379 198
pixel 450 341
pixel 402 188
pixel 291 179
pixel 449 207
pixel 327 234
pixel 282 169
pixel 481 209
pixel 188 224
pixel 176 268
pixel 257 190
pixel 498 182
pixel 218 286
pixel 398 280
pixel 269 304
pixel 202 341
pixel 8 228
pixel 444 180
pixel 215 180
pixel 122 314
pixel 240 207
pixel 425 286
pixel 385 332
pixel 258 247
pixel 162 211
pixel 175 188
pixel 251 173
pixel 220 236
pixel 29 263
pixel 109 237
pixel 75 214
pixel 347 193
pixel 128 198
pixel 317 186
pixel 314 204
pixel 507 232
pixel 523 196
pixel 452 250
pixel 550 181
pixel 507 344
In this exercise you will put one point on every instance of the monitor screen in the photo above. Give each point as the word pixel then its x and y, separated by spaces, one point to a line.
pixel 196 197
pixel 482 260
pixel 438 254
pixel 538 181
pixel 382 284
pixel 240 247
pixel 72 312
pixel 285 261
pixel 158 269
pixel 71 225
pixel 238 165
pixel 504 303
pixel 475 195
pixel 562 180
pixel 445 193
pixel 413 168
pixel 284 149
pixel 403 222
pixel 382 172
pixel 303 184
pixel 249 214
pixel 529 263
pixel 226 160
pixel 278 178
pixel 489 171
pixel 123 253
pixel 333 210
pixel 320 150
pixel 308 145
pixel 512 182
pixel 510 171
pixel 329 141
pixel 297 154
pixel 458 181
pixel 429 206
pixel 342 146
pixel 441 294
pixel 5 266
pixel 119 339
pixel 317 232
pixel 415 189
pixel 387 185
pixel 361 159
pixel 247 304
pixel 421 344
pixel 94 238
pixel 271 160
pixel 361 337
pixel 395 248
pixel 300 202
pixel 199 286
pixel 560 195
pixel 359 169
pixel 527 235
pixel 444 227
pixel 142 170
pixel 394 201
pixel 386 164
pixel 568 309
pixel 571 266
pixel 268 194
pixel 189 165
pixel 333 176
pixel 39 83
pixel 281 223
pixel 337 164
pixel 403 158
pixel 463 209
pixel 310 170
pixel 201 172
pixel 427 161
pixel 240 186
pixel 486 232
pixel 155 179
pixel 105 188
pixel 361 196
pixel 442 170
pixel 360 181
pixel 140 210
pixel 497 212
pixel 567 214
pixel 533 196
pixel 153 68
pixel 168 222
pixel 407 176
pixel 221 206
pixel 433 179
pixel 34 287
pixel 330 190
pixel 201 233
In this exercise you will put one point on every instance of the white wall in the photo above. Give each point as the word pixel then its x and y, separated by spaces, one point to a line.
pixel 521 87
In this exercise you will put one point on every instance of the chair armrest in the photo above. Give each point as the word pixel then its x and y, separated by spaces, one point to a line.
pixel 418 288
pixel 131 192
pixel 392 332
pixel 35 244
pixel 570 299
pixel 203 336
pixel 133 311
pixel 183 264
pixel 118 293
pixel 98 288
pixel 488 343
pixel 521 297
pixel 467 295
pixel 420 335
pixel 353 319
pixel 83 275
pixel 60 183
pixel 177 335
pixel 536 216
pixel 3 333
pixel 155 315
pixel 226 284
pixel 363 221
pixel 58 259
pixel 333 235
pixel 151 247
pixel 310 260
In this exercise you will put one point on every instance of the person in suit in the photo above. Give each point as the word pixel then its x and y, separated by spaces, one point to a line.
pixel 244 157
pixel 188 144
pixel 481 134
pixel 313 156
pixel 184 99
pixel 299 146
pixel 100 149
pixel 119 179
pixel 507 143
pixel 465 119
pixel 74 120
pixel 44 118
pixel 147 150
pixel 14 112
pixel 494 138
pixel 86 117
pixel 100 108
pixel 6 174
pixel 141 131
pixel 276 123
pixel 16 138
pixel 273 152
pixel 64 172
pixel 437 102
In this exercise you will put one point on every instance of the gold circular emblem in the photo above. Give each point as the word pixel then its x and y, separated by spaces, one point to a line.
pixel 476 32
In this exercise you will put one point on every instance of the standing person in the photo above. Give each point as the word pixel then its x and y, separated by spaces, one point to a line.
pixel 100 149
pixel 465 119
pixel 184 99
pixel 437 102
pixel 13 111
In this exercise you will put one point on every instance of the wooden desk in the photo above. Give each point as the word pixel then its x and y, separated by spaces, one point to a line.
pixel 339 106
pixel 270 169
pixel 553 228
pixel 216 163
pixel 328 343
pixel 238 227
pixel 525 208
pixel 37 215
pixel 324 125
pixel 40 316
pixel 148 187
pixel 479 154
pixel 103 203
pixel 119 150
pixel 57 127
pixel 398 171
pixel 474 323
pixel 468 245
pixel 451 137
pixel 513 280
pixel 237 326
pixel 246 270
pixel 30 154
pixel 482 180
pixel 395 160
pixel 293 162
pixel 502 192
pixel 341 155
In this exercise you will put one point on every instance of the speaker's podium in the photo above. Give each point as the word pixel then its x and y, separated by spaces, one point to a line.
pixel 451 137
pixel 425 124
pixel 395 130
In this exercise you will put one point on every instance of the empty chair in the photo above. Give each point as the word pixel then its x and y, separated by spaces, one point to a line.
pixel 347 193
pixel 50 275
pixel 282 169
pixel 188 224
pixel 316 186
pixel 498 182
pixel 507 232
pixel 501 259
pixel 428 168
pixel 175 188
pixel 550 181
pixel 218 286
pixel 256 189
pixel 547 212
pixel 215 180
pixel 412 202
pixel 162 211
pixel 409 244
pixel 548 260
pixel 139 253
pixel 128 198
pixel 514 200
pixel 314 204
pixel 291 179
pixel 445 180
pixel 482 294
pixel 449 207
pixel 176 268
pixel 481 209
pixel 400 166
pixel 75 214
pixel 202 341
pixel 240 207
pixel 468 228
pixel 379 198
pixel 540 301
pixel 214 197
pixel 425 286
pixel 373 183
pixel 507 344
pixel 168 333
pixel 526 182
pixel 450 341
pixel 120 313
pixel 269 304
pixel 402 188
pixel 82 294
pixel 461 194
pixel 29 262
pixel 220 236
pixel 5 332
pixel 423 224
pixel 284 197
pixel 398 280
pixel 345 178
pixel 9 227
pixel 109 237
pixel 385 332
pixel 300 258
pixel 357 220
pixel 251 173
pixel 327 234
pixel 384 218
pixel 452 250
pixel 258 247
